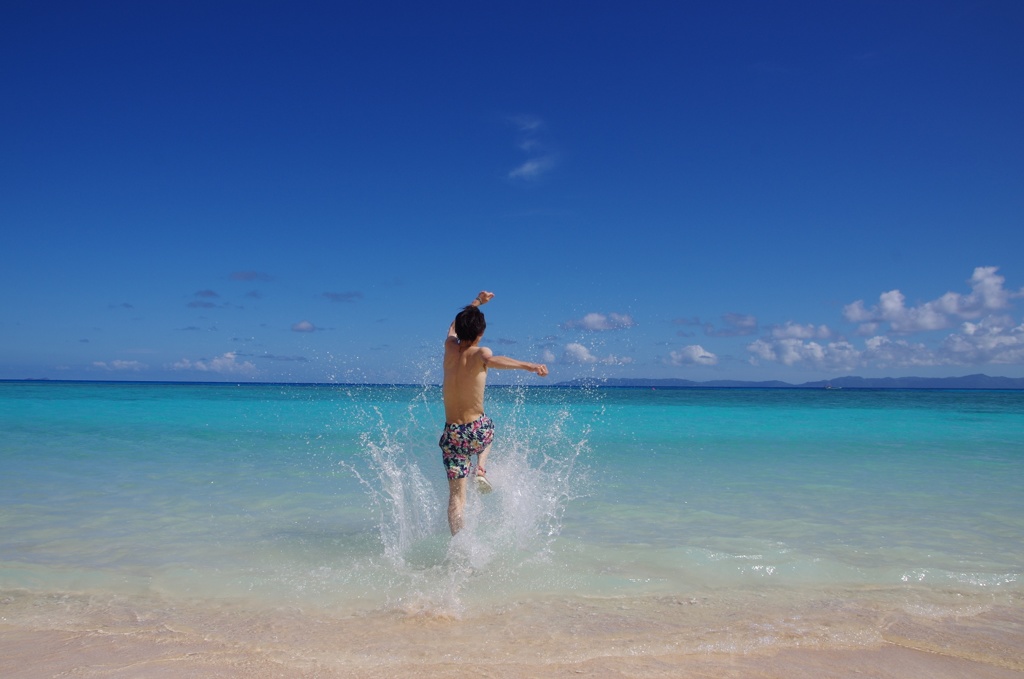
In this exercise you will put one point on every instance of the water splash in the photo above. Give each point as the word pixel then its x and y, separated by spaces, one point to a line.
pixel 536 469
pixel 407 504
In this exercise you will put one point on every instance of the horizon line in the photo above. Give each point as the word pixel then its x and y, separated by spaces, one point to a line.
pixel 584 382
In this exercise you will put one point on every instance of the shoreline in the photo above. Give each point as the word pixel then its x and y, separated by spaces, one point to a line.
pixel 826 634
pixel 35 654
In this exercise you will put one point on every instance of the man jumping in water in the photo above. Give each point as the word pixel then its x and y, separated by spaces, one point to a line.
pixel 467 431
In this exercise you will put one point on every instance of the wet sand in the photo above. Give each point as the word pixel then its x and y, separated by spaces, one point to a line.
pixel 714 636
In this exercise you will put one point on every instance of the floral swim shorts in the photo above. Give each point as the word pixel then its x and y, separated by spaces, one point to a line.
pixel 461 441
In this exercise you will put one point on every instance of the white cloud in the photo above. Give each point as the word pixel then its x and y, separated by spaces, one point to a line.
pixel 227 364
pixel 693 354
pixel 857 313
pixel 884 352
pixel 133 366
pixel 596 321
pixel 987 295
pixel 793 350
pixel 577 353
pixel 304 326
pixel 796 331
pixel 983 337
pixel 992 340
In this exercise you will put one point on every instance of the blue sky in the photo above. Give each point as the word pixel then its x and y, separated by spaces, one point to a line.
pixel 308 191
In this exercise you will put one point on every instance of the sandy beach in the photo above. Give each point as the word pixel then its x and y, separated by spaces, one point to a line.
pixel 721 635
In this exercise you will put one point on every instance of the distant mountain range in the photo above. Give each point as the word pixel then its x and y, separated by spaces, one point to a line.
pixel 849 382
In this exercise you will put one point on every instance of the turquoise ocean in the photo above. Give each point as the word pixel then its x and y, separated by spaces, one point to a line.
pixel 623 521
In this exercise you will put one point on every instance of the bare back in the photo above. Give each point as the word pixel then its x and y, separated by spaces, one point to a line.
pixel 465 376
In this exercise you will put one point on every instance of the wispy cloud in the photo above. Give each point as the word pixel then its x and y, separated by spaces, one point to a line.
pixel 349 296
pixel 734 325
pixel 251 276
pixel 686 322
pixel 304 326
pixel 791 330
pixel 600 322
pixel 120 366
pixel 202 300
pixel 294 359
pixel 533 168
pixel 541 159
pixel 227 364
pixel 527 124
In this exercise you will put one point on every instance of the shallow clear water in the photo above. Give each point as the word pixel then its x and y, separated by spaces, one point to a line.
pixel 333 497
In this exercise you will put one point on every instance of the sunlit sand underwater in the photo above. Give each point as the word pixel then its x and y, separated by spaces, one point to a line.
pixel 279 530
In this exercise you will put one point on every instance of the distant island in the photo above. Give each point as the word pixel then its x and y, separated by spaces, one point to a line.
pixel 849 382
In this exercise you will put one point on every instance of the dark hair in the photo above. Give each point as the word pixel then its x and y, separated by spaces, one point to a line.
pixel 470 324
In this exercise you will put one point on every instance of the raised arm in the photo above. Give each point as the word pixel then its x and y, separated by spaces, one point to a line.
pixel 482 297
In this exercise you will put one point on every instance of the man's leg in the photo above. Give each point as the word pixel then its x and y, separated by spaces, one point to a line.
pixel 456 502
pixel 481 459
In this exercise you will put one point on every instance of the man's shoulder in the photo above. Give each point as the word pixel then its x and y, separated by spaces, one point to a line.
pixel 477 357
pixel 477 353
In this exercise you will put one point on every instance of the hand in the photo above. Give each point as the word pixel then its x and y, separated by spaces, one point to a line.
pixel 484 297
pixel 540 369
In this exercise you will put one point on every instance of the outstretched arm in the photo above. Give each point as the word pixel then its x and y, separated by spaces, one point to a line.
pixel 506 363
